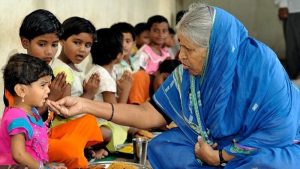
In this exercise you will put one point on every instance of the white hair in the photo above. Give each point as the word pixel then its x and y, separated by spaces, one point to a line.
pixel 196 24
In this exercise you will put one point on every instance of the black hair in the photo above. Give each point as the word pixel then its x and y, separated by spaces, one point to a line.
pixel 168 65
pixel 24 69
pixel 40 22
pixel 124 27
pixel 109 44
pixel 179 15
pixel 156 19
pixel 76 25
pixel 171 31
pixel 140 28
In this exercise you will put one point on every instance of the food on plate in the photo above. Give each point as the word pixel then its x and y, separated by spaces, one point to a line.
pixel 98 166
pixel 121 165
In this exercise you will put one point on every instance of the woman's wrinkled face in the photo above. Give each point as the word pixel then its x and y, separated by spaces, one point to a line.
pixel 191 55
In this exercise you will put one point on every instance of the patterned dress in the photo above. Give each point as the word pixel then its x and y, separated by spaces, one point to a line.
pixel 15 121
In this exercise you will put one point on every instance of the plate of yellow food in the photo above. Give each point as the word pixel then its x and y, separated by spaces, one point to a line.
pixel 115 165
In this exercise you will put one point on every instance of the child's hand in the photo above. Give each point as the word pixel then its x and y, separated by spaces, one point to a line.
pixel 91 87
pixel 58 86
pixel 124 83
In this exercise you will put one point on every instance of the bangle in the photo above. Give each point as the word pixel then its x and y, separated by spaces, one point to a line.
pixel 112 112
pixel 222 161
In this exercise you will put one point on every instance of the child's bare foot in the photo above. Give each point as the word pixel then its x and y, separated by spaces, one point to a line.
pixel 98 154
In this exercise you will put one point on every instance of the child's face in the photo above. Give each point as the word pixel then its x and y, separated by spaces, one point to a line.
pixel 170 41
pixel 127 43
pixel 38 91
pixel 77 47
pixel 159 33
pixel 143 38
pixel 43 46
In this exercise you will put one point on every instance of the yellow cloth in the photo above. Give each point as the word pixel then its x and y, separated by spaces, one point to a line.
pixel 58 120
pixel 119 134
pixel 68 72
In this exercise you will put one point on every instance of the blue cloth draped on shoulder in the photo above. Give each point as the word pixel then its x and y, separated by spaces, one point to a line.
pixel 244 101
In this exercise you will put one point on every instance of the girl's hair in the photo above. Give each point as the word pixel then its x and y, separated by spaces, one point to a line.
pixel 40 22
pixel 172 31
pixel 140 28
pixel 109 44
pixel 124 27
pixel 77 25
pixel 156 19
pixel 24 69
pixel 196 24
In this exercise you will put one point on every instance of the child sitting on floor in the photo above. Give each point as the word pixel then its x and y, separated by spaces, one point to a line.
pixel 23 134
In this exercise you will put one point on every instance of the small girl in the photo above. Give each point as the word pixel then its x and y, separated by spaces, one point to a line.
pixel 23 135
pixel 128 63
pixel 154 53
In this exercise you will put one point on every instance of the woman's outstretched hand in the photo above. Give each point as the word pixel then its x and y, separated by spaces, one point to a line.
pixel 67 107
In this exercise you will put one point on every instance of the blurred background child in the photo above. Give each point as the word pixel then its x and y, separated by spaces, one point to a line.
pixel 106 52
pixel 23 134
pixel 170 43
pixel 144 85
pixel 128 63
pixel 141 36
pixel 152 54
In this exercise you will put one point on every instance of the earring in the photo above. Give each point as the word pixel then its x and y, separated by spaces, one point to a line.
pixel 23 99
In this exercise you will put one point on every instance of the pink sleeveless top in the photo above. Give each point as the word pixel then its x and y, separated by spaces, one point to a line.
pixel 150 61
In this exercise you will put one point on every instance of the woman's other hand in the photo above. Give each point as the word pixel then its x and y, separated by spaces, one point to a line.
pixel 206 153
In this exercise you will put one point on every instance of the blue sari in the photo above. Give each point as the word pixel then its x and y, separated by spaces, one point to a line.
pixel 244 101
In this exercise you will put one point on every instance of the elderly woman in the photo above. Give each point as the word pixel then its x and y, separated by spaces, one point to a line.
pixel 231 99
